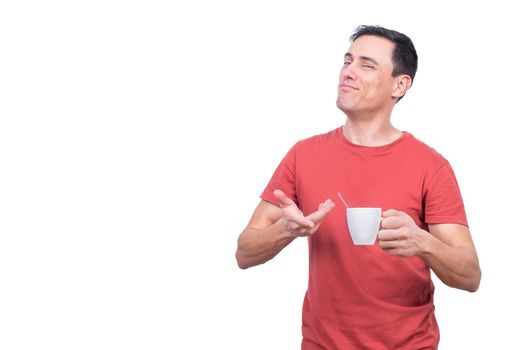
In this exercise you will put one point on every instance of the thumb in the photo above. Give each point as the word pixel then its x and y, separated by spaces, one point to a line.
pixel 283 199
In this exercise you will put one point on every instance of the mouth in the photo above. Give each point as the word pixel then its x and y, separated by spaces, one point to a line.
pixel 347 87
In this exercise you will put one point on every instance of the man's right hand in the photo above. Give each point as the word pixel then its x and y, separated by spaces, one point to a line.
pixel 294 221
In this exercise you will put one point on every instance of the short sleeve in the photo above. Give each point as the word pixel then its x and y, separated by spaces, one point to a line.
pixel 443 202
pixel 283 179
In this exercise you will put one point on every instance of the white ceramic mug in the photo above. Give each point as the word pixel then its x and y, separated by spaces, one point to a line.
pixel 363 224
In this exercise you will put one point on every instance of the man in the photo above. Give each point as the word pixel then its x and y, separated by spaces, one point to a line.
pixel 378 296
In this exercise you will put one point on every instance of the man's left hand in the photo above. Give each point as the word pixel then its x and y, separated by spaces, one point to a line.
pixel 400 236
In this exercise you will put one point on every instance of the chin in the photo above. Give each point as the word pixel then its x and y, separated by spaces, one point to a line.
pixel 345 107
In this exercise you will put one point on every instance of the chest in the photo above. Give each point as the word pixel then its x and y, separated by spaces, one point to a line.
pixel 383 182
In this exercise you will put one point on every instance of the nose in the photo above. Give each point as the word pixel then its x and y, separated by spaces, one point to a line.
pixel 348 72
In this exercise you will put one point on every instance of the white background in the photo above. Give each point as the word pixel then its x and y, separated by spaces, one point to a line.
pixel 136 137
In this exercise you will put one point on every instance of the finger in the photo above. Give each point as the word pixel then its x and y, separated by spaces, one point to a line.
pixel 395 251
pixel 391 212
pixel 323 210
pixel 301 232
pixel 298 219
pixel 284 200
pixel 388 245
pixel 311 231
pixel 389 235
pixel 314 229
pixel 305 231
pixel 293 226
pixel 325 207
pixel 398 252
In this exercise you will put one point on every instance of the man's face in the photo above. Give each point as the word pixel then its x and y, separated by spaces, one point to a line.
pixel 365 82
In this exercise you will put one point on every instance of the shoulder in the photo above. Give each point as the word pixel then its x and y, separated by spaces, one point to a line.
pixel 310 148
pixel 421 151
pixel 318 140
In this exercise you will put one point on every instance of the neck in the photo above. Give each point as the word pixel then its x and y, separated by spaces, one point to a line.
pixel 369 132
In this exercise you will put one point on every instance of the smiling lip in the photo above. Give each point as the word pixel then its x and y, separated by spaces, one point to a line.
pixel 347 87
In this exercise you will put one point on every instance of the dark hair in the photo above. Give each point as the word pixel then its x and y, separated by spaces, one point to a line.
pixel 404 54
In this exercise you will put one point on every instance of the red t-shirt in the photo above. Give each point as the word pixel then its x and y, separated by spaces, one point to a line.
pixel 360 297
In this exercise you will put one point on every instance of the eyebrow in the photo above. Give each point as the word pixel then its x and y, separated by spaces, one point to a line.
pixel 365 58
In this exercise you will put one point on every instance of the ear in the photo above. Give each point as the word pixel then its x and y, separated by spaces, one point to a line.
pixel 401 85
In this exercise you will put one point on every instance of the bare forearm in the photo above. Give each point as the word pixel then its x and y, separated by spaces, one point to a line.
pixel 457 267
pixel 256 246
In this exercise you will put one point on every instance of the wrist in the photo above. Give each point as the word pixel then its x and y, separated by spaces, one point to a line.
pixel 426 243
